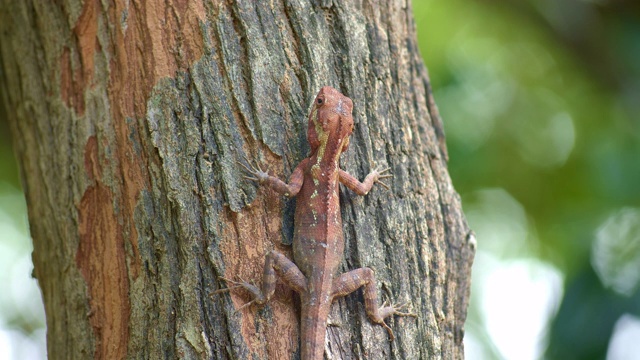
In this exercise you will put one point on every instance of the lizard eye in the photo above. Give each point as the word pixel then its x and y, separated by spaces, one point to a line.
pixel 319 101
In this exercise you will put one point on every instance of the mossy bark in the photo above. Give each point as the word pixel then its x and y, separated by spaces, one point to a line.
pixel 128 120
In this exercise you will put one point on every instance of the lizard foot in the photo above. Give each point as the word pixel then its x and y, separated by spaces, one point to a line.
pixel 394 309
pixel 382 174
pixel 236 285
pixel 401 306
pixel 255 292
pixel 256 172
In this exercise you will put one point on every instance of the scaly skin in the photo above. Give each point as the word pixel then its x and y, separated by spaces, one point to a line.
pixel 318 241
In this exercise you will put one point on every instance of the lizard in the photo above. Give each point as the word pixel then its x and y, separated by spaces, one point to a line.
pixel 318 241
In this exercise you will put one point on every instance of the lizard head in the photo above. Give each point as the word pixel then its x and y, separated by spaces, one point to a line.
pixel 330 121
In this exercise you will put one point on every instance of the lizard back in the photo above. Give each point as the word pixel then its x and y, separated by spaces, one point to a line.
pixel 318 242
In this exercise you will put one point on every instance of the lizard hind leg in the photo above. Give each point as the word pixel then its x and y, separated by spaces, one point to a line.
pixel 275 264
pixel 354 279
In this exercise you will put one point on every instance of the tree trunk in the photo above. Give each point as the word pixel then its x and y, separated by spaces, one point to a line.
pixel 129 119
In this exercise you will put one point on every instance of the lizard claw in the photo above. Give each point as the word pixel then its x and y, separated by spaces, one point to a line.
pixel 383 185
pixel 397 307
pixel 256 172
pixel 228 288
pixel 387 310
pixel 381 172
pixel 389 331
pixel 253 167
pixel 248 286
pixel 246 305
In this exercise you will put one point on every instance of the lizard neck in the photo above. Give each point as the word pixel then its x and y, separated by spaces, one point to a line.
pixel 327 143
pixel 325 174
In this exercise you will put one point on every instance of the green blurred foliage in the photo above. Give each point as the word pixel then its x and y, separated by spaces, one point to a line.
pixel 540 99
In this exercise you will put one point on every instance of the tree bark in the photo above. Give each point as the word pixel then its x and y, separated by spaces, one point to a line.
pixel 128 120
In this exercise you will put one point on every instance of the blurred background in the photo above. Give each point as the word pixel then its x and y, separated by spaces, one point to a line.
pixel 541 106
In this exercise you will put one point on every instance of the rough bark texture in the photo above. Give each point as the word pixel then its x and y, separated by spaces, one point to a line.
pixel 128 119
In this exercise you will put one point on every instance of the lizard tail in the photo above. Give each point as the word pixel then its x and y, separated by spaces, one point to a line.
pixel 314 328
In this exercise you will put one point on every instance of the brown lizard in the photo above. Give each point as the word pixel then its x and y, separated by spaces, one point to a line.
pixel 318 242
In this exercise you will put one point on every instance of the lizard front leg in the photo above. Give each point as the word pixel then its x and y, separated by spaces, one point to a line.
pixel 354 279
pixel 275 264
pixel 262 177
pixel 363 188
